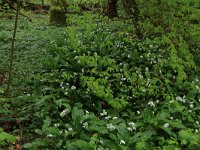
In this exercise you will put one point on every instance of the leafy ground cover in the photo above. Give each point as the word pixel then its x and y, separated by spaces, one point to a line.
pixel 100 87
pixel 32 41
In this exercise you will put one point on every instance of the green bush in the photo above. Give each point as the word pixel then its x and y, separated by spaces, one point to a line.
pixel 103 89
pixel 6 139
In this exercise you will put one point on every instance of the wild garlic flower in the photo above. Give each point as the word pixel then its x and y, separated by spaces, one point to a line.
pixel 50 135
pixel 122 142
pixel 132 125
pixel 85 125
pixel 166 125
pixel 123 79
pixel 130 129
pixel 191 105
pixel 140 76
pixel 147 69
pixel 64 112
pixel 138 112
pixel 151 103
pixel 56 125
pixel 110 126
pixel 70 129
pixel 73 87
pixel 114 118
pixel 181 99
pixel 104 113
pixel 197 122
pixel 108 117
pixel 196 131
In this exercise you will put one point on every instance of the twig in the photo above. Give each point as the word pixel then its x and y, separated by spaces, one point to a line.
pixel 6 93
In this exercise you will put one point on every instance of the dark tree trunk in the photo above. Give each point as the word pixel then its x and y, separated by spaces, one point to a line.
pixel 58 10
pixel 111 10
pixel 132 9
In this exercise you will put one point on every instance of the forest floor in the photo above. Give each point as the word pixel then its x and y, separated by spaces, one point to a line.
pixel 32 42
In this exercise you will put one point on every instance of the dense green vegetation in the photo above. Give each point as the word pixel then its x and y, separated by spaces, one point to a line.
pixel 100 83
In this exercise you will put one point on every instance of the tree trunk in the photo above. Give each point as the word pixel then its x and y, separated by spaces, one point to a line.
pixel 132 9
pixel 57 14
pixel 111 10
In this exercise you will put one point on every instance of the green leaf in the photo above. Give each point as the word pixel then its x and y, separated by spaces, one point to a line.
pixel 81 144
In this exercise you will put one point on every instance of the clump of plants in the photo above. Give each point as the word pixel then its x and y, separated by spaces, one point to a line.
pixel 101 89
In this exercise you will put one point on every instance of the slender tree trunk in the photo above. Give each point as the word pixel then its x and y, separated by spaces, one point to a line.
pixel 111 10
pixel 6 93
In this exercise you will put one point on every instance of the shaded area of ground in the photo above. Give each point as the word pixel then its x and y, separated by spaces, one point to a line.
pixel 32 41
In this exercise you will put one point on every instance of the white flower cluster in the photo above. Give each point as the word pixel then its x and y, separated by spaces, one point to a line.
pixel 131 127
pixel 64 112
pixel 85 125
pixel 151 103
pixel 166 125
pixel 104 113
pixel 49 135
pixel 73 87
pixel 181 99
pixel 196 131
pixel 110 126
pixel 122 142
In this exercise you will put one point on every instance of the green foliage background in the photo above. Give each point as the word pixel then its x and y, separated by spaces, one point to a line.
pixel 100 87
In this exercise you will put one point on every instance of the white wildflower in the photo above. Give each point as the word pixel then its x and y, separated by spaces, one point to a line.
pixel 147 69
pixel 171 118
pixel 114 118
pixel 100 141
pixel 108 117
pixel 85 125
pixel 166 125
pixel 190 111
pixel 110 126
pixel 197 122
pixel 140 76
pixel 122 142
pixel 70 129
pixel 151 104
pixel 49 135
pixel 104 113
pixel 181 99
pixel 87 112
pixel 191 105
pixel 196 131
pixel 138 112
pixel 123 79
pixel 130 129
pixel 132 125
pixel 64 112
pixel 73 87
pixel 56 125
